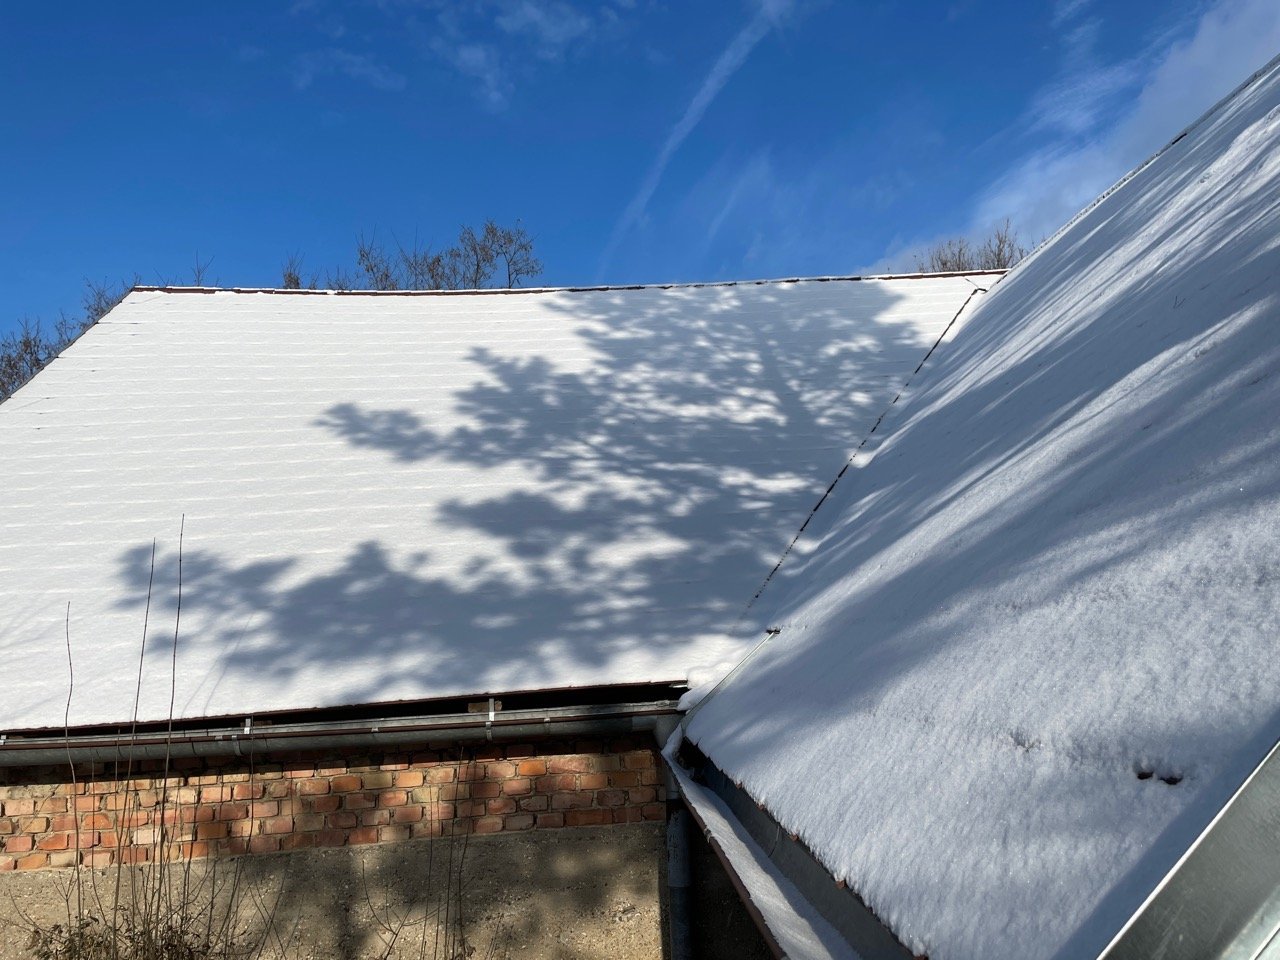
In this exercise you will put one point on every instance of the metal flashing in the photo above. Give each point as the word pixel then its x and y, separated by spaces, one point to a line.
pixel 1221 901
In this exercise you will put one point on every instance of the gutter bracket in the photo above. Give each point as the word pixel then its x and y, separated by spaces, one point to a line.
pixel 488 724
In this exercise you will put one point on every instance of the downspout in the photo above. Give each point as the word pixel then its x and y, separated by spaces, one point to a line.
pixel 679 875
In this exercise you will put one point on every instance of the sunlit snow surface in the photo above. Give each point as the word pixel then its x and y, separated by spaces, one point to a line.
pixel 1060 571
pixel 399 497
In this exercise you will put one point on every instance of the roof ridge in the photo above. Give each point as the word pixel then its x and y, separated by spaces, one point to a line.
pixel 693 285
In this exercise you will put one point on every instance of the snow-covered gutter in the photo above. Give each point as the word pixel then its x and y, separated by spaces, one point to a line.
pixel 799 908
pixel 486 721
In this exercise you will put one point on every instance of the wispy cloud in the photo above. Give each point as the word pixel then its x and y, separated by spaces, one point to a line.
pixel 1164 90
pixel 727 64
pixel 496 42
pixel 550 26
pixel 356 66
pixel 480 62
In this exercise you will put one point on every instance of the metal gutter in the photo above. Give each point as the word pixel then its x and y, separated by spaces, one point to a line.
pixel 1222 898
pixel 867 936
pixel 264 737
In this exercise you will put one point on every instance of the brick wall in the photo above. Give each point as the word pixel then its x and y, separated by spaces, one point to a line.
pixel 225 806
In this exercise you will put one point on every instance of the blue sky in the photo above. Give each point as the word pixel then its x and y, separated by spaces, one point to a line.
pixel 637 141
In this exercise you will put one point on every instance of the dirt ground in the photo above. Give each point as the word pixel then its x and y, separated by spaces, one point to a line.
pixel 569 894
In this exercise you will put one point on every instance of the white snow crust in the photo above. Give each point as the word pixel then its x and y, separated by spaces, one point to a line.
pixel 1060 570
pixel 395 497
pixel 796 925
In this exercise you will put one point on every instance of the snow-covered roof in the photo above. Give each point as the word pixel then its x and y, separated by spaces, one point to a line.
pixel 398 497
pixel 1035 649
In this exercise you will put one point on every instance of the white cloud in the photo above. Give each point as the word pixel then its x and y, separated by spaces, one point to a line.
pixel 1173 87
pixel 480 62
pixel 727 64
pixel 551 26
pixel 316 63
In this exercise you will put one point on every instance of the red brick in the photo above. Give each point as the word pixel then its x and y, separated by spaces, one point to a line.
pixel 409 778
pixel 95 858
pixel 52 805
pixel 375 817
pixel 305 822
pixel 277 825
pixel 247 791
pixel 520 821
pixel 232 811
pixel 484 789
pixel 535 803
pixel 638 760
pixel 262 844
pixel 357 801
pixel 502 805
pixel 33 861
pixel 624 778
pixel 20 844
pixel 488 825
pixel 531 768
pixel 53 841
pixel 551 820
pixel 570 801
pixel 264 808
pixel 406 814
pixel 376 781
pixel 500 770
pixel 587 818
pixel 297 841
pixel 313 788
pixel 212 831
pixel 343 820
pixel 593 781
pixel 393 798
pixel 279 789
pixel 444 774
pixel 363 835
pixel 330 838
pixel 555 784
pixel 439 811
pixel 195 851
pixel 326 804
pixel 642 795
pixel 345 784
pixel 517 787
pixel 393 833
pixel 611 798
pixel 654 811
pixel 573 764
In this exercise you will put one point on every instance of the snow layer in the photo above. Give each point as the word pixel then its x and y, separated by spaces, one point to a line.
pixel 401 497
pixel 796 925
pixel 1037 646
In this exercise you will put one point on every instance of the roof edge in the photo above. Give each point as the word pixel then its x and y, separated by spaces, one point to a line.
pixel 602 288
